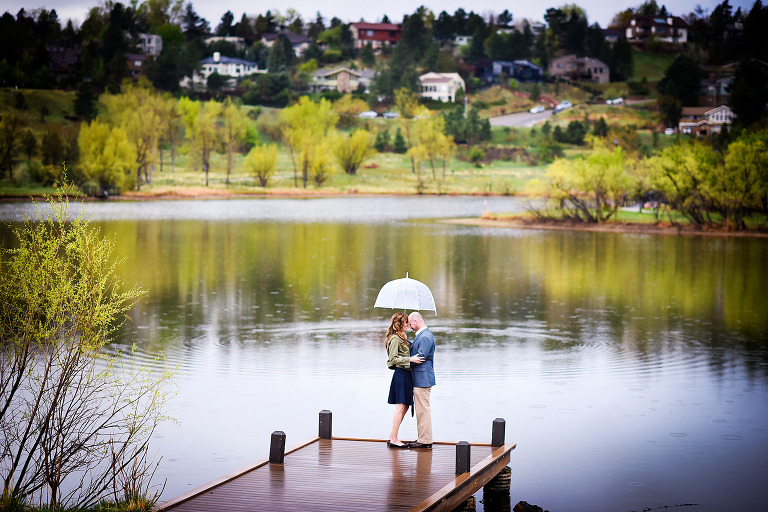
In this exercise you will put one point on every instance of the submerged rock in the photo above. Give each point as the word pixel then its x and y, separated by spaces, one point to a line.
pixel 524 506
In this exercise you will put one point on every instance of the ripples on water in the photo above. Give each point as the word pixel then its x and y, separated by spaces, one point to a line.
pixel 632 371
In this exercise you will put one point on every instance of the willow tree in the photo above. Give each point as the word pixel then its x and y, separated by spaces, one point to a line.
pixel 591 188
pixel 235 125
pixel 203 131
pixel 138 111
pixel 407 105
pixel 352 150
pixel 261 161
pixel 305 126
pixel 681 173
pixel 106 155
pixel 75 422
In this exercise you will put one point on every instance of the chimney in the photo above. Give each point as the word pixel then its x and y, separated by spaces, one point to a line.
pixel 216 56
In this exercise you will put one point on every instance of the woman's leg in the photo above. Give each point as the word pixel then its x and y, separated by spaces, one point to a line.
pixel 397 419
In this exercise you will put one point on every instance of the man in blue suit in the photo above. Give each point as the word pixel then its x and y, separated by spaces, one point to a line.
pixel 423 379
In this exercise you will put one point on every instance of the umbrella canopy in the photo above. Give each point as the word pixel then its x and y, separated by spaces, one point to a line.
pixel 405 293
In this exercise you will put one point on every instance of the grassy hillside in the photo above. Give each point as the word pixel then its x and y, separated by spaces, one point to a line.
pixel 651 66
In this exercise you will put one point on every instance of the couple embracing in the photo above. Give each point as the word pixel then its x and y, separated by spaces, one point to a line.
pixel 414 376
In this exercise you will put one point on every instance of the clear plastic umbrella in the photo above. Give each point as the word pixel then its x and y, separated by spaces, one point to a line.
pixel 406 293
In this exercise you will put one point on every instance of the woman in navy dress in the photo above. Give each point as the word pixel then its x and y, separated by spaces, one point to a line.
pixel 401 388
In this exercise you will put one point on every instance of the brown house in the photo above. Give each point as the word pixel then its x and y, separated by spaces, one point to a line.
pixel 705 120
pixel 378 34
pixel 580 68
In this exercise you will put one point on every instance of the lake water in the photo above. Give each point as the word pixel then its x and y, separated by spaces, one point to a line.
pixel 632 370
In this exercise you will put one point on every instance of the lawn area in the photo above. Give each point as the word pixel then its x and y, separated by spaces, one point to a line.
pixel 651 66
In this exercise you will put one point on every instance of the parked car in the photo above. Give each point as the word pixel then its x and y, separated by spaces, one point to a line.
pixel 669 131
pixel 562 106
pixel 538 109
pixel 390 115
pixel 368 114
pixel 615 101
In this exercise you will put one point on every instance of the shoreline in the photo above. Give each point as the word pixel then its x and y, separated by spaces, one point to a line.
pixel 611 227
pixel 203 194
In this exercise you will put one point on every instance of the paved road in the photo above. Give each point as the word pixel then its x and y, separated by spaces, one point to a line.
pixel 521 119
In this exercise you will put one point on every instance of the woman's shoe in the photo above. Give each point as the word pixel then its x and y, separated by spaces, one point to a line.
pixel 395 445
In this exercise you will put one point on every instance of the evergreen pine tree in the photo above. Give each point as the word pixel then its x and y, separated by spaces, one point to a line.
pixel 399 146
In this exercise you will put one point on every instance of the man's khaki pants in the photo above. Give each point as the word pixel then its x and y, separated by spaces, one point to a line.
pixel 423 414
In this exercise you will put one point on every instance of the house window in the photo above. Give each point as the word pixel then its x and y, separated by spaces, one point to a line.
pixel 369 33
pixel 137 63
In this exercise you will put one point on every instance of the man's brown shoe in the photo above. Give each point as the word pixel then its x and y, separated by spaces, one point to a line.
pixel 417 444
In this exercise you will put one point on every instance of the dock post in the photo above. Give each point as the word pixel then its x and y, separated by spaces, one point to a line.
pixel 462 457
pixel 497 432
pixel 277 448
pixel 325 424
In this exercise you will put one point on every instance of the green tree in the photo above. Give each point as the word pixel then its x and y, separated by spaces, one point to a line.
pixel 352 150
pixel 75 422
pixel 203 131
pixel 367 57
pixel 399 145
pixel 235 127
pixel 106 155
pixel 305 126
pixel 680 172
pixel 261 161
pixel 750 92
pixel 11 125
pixel 432 144
pixel 590 189
pixel 681 81
pixel 170 130
pixel 137 110
pixel 382 141
pixel 85 102
pixel 740 185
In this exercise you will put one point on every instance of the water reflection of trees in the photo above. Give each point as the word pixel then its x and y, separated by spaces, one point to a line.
pixel 640 291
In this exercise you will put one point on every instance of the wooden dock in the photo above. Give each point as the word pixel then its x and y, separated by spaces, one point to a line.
pixel 343 474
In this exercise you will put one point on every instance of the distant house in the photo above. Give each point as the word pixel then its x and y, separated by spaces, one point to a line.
pixel 341 79
pixel 672 29
pixel 612 35
pixel 299 42
pixel 705 120
pixel 150 44
pixel 239 42
pixel 522 70
pixel 378 34
pixel 715 91
pixel 227 67
pixel 536 27
pixel 580 68
pixel 462 40
pixel 135 64
pixel 63 58
pixel 441 86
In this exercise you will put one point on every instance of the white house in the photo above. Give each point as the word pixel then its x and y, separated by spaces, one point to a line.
pixel 227 67
pixel 705 120
pixel 441 86
pixel 150 44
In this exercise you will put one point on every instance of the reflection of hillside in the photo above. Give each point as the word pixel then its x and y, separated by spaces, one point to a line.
pixel 641 291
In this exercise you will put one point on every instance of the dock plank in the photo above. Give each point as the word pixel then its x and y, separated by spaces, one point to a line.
pixel 347 474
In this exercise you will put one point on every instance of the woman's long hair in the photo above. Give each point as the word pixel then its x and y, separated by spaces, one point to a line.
pixel 398 324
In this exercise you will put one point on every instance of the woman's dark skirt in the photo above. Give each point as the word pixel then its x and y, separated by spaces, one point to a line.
pixel 401 389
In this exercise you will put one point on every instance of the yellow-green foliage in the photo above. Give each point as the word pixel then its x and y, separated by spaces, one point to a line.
pixel 590 188
pixel 352 150
pixel 305 125
pixel 261 161
pixel 106 155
